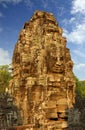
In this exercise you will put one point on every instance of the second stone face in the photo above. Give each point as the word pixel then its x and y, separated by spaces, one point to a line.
pixel 43 84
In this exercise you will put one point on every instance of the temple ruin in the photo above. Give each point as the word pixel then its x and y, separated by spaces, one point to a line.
pixel 43 83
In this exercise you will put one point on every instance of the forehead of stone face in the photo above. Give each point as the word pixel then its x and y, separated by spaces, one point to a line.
pixel 55 50
pixel 42 14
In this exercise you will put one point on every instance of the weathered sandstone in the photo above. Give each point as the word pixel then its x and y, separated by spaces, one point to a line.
pixel 43 83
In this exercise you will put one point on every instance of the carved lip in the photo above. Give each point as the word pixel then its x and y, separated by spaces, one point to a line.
pixel 58 68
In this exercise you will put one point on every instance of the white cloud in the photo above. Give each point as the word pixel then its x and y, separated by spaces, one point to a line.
pixel 77 35
pixel 16 1
pixel 74 31
pixel 28 3
pixel 4 5
pixel 79 53
pixel 45 3
pixel 4 57
pixel 1 29
pixel 79 70
pixel 80 66
pixel 76 23
pixel 72 20
pixel 78 6
pixel 1 15
pixel 11 1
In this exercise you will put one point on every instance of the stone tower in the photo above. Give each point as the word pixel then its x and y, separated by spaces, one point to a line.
pixel 43 83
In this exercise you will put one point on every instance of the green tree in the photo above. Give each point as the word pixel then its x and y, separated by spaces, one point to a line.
pixel 80 87
pixel 80 101
pixel 5 76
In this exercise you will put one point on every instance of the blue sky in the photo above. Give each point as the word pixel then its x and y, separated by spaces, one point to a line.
pixel 70 15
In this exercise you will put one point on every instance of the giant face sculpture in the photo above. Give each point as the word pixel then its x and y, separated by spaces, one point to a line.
pixel 55 59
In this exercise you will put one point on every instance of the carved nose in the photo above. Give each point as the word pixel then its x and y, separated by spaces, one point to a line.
pixel 58 62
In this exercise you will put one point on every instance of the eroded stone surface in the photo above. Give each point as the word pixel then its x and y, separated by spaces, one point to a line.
pixel 9 114
pixel 43 85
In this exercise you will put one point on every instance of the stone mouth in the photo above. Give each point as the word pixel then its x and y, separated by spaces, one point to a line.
pixel 58 68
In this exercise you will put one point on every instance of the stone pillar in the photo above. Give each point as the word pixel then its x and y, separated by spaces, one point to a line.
pixel 43 81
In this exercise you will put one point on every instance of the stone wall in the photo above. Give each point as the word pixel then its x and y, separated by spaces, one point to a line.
pixel 43 83
pixel 9 114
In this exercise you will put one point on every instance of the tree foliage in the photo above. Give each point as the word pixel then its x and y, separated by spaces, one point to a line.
pixel 80 101
pixel 5 76
pixel 80 87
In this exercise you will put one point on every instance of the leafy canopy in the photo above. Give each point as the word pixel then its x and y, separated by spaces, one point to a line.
pixel 80 87
pixel 5 76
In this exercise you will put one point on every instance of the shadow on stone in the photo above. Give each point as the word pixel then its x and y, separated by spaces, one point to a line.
pixel 9 114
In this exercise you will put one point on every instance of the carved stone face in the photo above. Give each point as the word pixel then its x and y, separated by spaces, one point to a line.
pixel 55 59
